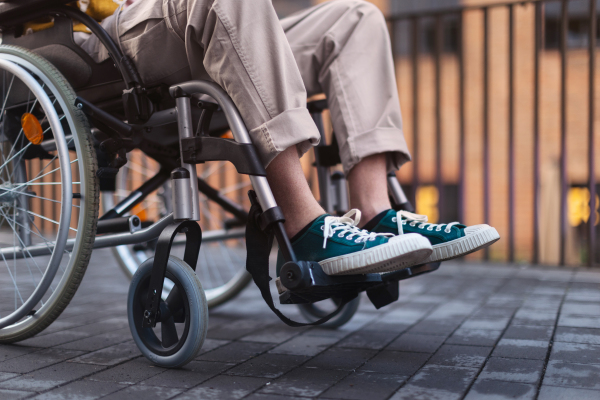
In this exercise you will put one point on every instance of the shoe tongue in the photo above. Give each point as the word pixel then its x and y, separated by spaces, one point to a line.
pixel 369 226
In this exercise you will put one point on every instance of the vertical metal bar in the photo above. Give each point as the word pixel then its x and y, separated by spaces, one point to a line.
pixel 536 131
pixel 591 141
pixel 563 128
pixel 186 130
pixel 461 102
pixel 511 134
pixel 323 172
pixel 415 101
pixel 486 155
pixel 439 38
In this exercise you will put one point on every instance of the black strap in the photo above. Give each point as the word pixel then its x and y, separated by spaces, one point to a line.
pixel 258 247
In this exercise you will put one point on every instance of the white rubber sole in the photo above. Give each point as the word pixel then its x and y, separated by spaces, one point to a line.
pixel 400 252
pixel 480 237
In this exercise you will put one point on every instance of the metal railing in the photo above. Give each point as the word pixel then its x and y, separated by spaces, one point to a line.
pixel 423 41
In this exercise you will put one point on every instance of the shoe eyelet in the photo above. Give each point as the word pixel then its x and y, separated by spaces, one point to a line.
pixel 413 224
pixel 394 219
pixel 403 222
pixel 322 228
pixel 446 231
pixel 371 239
pixel 341 235
pixel 357 240
pixel 430 228
pixel 438 229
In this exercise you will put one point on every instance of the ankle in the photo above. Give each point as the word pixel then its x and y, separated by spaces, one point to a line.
pixel 370 212
pixel 295 223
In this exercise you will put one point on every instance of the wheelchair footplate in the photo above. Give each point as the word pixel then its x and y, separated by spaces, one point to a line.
pixel 305 282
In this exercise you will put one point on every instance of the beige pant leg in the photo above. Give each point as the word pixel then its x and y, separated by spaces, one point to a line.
pixel 240 45
pixel 343 49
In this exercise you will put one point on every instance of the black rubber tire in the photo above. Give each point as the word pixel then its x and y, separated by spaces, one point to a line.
pixel 312 312
pixel 71 279
pixel 198 312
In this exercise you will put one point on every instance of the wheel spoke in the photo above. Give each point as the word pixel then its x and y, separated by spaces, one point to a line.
pixel 169 333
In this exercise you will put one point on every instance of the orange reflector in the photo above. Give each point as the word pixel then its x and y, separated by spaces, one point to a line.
pixel 32 128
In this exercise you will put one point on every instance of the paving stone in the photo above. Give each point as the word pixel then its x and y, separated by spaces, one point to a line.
pixel 81 390
pixel 581 308
pixel 368 339
pixel 417 343
pixel 6 394
pixel 577 335
pixel 53 339
pixel 365 385
pixel 236 352
pixel 486 323
pixel 579 322
pixel 128 373
pixel 528 332
pixel 512 370
pixel 497 390
pixel 522 348
pixel 268 365
pixel 534 317
pixel 474 337
pixel 560 393
pixel 435 327
pixel 412 392
pixel 460 356
pixel 98 342
pixel 494 312
pixel 37 360
pixel 341 358
pixel 272 334
pixel 144 392
pixel 560 373
pixel 13 351
pixel 395 363
pixel 305 345
pixel 49 377
pixel 235 329
pixel 576 353
pixel 449 380
pixel 262 396
pixel 112 355
pixel 305 382
pixel 224 387
pixel 187 376
pixel 211 344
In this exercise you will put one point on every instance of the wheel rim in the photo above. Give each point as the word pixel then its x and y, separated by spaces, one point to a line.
pixel 222 258
pixel 34 233
pixel 170 340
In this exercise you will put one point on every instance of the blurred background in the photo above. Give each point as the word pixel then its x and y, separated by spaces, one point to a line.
pixel 500 114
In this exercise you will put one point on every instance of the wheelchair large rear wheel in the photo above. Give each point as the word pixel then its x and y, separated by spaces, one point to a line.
pixel 222 261
pixel 48 194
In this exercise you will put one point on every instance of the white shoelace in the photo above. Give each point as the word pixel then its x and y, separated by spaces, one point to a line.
pixel 421 220
pixel 347 224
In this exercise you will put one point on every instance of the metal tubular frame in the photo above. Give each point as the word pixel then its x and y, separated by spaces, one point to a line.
pixel 536 132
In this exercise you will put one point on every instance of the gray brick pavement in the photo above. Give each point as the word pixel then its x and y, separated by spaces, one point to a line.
pixel 468 331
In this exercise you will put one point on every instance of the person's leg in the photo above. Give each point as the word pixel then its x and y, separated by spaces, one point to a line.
pixel 368 187
pixel 343 49
pixel 291 191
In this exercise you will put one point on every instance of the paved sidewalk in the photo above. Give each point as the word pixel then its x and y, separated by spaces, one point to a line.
pixel 469 331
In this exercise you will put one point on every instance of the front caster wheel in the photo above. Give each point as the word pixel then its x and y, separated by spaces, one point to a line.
pixel 181 328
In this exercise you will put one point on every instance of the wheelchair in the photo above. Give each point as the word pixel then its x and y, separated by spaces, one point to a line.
pixel 68 125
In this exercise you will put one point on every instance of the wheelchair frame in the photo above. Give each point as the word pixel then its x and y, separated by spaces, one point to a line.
pixel 114 229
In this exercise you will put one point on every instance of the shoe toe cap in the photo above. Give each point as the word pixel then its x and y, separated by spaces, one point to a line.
pixel 474 229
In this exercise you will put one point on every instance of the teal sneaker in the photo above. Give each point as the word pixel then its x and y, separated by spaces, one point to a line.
pixel 341 248
pixel 448 240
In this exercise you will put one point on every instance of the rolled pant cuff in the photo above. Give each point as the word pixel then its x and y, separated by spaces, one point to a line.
pixel 376 141
pixel 293 127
